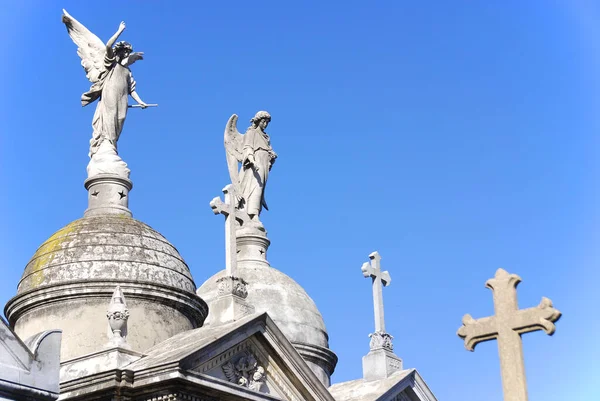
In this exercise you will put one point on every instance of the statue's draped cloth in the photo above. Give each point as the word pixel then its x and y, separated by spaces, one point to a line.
pixel 112 90
pixel 252 182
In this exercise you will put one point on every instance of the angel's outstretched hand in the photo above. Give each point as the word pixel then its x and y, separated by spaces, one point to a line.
pixel 122 26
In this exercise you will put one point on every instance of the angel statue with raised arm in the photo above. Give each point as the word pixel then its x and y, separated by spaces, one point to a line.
pixel 253 150
pixel 107 68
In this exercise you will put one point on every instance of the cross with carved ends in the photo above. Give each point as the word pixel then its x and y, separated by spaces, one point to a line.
pixel 379 339
pixel 506 326
pixel 233 217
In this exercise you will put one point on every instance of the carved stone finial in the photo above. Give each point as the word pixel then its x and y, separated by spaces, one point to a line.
pixel 117 315
pixel 506 326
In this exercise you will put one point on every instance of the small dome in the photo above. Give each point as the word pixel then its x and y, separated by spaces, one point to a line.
pixel 109 247
pixel 69 281
pixel 290 307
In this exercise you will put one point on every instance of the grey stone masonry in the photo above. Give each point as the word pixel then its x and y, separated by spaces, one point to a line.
pixel 108 194
pixel 29 370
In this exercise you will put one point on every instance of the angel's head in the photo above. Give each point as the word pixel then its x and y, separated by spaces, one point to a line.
pixel 261 120
pixel 122 50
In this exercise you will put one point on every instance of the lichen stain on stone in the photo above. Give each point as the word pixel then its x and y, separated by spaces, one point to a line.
pixel 46 253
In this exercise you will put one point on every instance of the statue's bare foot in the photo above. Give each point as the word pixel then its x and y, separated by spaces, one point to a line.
pixel 255 221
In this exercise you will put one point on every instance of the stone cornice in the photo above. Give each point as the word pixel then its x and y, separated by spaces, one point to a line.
pixel 188 303
pixel 320 355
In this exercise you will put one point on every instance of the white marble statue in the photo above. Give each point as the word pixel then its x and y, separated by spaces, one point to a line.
pixel 253 150
pixel 107 68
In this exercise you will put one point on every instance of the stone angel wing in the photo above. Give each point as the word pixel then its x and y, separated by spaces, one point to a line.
pixel 135 56
pixel 90 48
pixel 233 151
pixel 230 372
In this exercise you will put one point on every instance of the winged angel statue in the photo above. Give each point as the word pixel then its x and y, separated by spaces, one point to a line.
pixel 253 150
pixel 107 68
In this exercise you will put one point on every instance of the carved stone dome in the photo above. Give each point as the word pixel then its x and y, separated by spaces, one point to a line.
pixel 68 283
pixel 290 307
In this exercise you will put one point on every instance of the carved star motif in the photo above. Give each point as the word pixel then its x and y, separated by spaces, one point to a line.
pixel 95 193
pixel 122 194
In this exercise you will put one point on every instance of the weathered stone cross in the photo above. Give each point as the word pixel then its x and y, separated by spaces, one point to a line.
pixel 507 326
pixel 231 214
pixel 380 279
pixel 380 362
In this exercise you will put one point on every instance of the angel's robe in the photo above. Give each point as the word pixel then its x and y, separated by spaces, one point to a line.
pixel 252 182
pixel 113 89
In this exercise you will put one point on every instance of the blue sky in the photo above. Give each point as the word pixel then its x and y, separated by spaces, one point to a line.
pixel 452 137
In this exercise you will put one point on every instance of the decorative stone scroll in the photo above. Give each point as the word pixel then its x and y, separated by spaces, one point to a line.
pixel 381 340
pixel 232 285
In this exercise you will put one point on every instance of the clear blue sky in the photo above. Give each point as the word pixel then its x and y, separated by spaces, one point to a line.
pixel 452 137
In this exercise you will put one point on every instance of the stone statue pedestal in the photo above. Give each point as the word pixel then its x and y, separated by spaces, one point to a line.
pixel 252 245
pixel 108 194
pixel 380 363
pixel 230 304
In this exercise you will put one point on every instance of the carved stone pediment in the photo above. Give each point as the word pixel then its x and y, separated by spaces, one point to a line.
pixel 252 365
pixel 245 371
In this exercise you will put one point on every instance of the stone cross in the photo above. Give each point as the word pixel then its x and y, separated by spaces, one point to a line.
pixel 381 361
pixel 506 326
pixel 380 279
pixel 231 214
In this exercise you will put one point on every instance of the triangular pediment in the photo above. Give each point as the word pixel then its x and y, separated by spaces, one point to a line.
pixel 249 359
pixel 404 385
pixel 260 359
pixel 255 365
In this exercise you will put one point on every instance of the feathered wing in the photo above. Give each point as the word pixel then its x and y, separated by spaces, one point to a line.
pixel 230 372
pixel 135 56
pixel 90 48
pixel 233 151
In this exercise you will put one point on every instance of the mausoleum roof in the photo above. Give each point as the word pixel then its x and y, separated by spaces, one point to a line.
pixel 408 382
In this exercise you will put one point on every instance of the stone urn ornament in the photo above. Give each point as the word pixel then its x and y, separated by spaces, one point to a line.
pixel 117 315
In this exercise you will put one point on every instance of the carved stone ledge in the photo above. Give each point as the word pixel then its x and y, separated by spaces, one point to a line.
pixel 232 285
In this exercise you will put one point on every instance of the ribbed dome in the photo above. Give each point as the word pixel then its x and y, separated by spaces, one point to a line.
pixel 69 281
pixel 111 247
